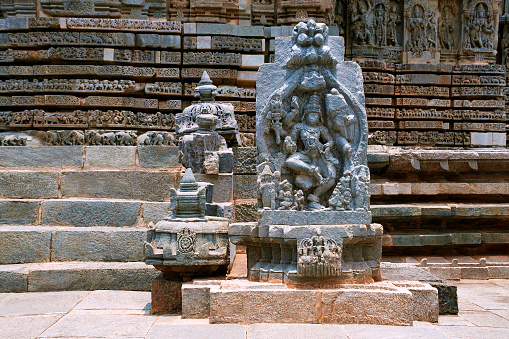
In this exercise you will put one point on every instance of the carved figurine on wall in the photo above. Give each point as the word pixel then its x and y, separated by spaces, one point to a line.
pixel 417 28
pixel 479 29
pixel 392 21
pixel 321 122
pixel 360 30
pixel 446 33
pixel 379 23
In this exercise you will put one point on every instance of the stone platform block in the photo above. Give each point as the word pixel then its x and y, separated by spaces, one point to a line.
pixel 223 186
pixel 28 184
pixel 89 276
pixel 90 213
pixel 110 156
pixel 425 300
pixel 98 244
pixel 134 185
pixel 18 212
pixel 13 279
pixel 248 302
pixel 154 156
pixel 166 296
pixel 195 301
pixel 155 211
pixel 25 244
pixel 43 156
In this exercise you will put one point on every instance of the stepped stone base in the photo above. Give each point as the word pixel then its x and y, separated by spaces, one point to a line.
pixel 243 302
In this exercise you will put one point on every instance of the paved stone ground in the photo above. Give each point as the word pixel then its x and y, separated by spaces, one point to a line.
pixel 484 313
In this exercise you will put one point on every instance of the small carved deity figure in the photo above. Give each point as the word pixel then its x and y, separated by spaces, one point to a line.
pixel 285 196
pixel 431 32
pixel 380 28
pixel 417 28
pixel 360 187
pixel 361 34
pixel 311 163
pixel 299 200
pixel 392 22
pixel 274 115
pixel 341 198
pixel 267 189
pixel 446 33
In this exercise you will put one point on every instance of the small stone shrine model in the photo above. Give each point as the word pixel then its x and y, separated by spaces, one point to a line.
pixel 204 129
pixel 188 243
pixel 314 223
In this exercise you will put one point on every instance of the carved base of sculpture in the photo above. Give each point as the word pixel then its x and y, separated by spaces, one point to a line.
pixel 183 248
pixel 311 256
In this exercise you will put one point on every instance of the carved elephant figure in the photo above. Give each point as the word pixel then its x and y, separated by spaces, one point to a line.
pixel 125 139
pixel 109 138
pixel 94 138
pixel 52 138
pixel 157 139
pixel 145 139
pixel 76 138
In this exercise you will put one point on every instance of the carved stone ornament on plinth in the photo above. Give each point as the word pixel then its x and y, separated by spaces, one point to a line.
pixel 188 243
pixel 314 225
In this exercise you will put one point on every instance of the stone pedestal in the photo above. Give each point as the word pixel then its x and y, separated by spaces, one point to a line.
pixel 243 302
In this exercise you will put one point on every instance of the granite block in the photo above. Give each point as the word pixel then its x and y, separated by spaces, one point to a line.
pixel 244 160
pixel 98 244
pixel 226 161
pixel 155 211
pixel 13 279
pixel 166 296
pixel 28 184
pixel 18 212
pixel 195 301
pixel 245 187
pixel 246 211
pixel 149 186
pixel 43 156
pixel 83 213
pixel 110 156
pixel 223 186
pixel 24 244
pixel 158 156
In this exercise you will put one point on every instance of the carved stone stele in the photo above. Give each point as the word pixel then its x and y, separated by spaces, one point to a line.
pixel 188 243
pixel 314 223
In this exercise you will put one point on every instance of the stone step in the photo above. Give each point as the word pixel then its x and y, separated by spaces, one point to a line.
pixel 477 210
pixel 40 244
pixel 444 238
pixel 82 212
pixel 76 276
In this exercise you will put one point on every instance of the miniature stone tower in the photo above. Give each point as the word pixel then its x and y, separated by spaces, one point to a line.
pixel 314 225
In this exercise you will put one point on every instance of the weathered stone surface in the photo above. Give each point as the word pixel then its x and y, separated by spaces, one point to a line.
pixel 158 156
pixel 28 184
pixel 90 213
pixel 150 186
pixel 244 160
pixel 195 301
pixel 110 156
pixel 223 186
pixel 132 276
pixel 98 244
pixel 25 244
pixel 44 156
pixel 18 212
pixel 246 210
pixel 245 187
pixel 13 279
pixel 166 296
pixel 155 211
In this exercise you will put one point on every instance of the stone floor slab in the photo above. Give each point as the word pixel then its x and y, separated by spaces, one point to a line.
pixel 115 300
pixel 40 303
pixel 486 319
pixel 159 331
pixel 76 324
pixel 469 332
pixel 25 327
pixel 391 332
pixel 453 320
pixel 502 313
pixel 301 331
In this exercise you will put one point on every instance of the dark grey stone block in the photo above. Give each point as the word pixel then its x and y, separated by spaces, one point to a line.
pixel 244 160
pixel 28 184
pixel 170 41
pixel 150 186
pixel 24 244
pixel 245 187
pixel 226 161
pixel 223 186
pixel 155 211
pixel 98 244
pixel 91 276
pixel 158 156
pixel 447 297
pixel 18 212
pixel 90 213
pixel 282 217
pixel 13 279
pixel 110 156
pixel 43 156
